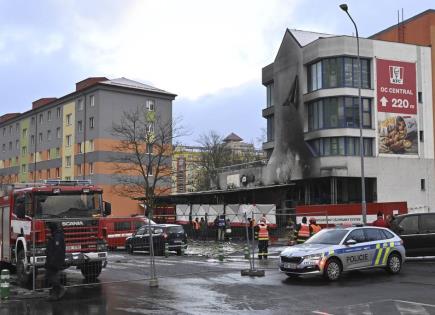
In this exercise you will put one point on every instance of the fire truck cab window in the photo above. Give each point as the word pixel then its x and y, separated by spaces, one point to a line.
pixel 22 205
pixel 68 205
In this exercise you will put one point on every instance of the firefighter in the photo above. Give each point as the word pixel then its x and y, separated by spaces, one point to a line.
pixel 303 231
pixel 55 261
pixel 314 228
pixel 262 234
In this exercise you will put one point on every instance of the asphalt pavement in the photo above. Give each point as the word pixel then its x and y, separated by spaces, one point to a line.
pixel 203 285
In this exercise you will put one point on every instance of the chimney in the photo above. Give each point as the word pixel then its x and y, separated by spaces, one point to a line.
pixel 43 101
pixel 88 82
pixel 8 116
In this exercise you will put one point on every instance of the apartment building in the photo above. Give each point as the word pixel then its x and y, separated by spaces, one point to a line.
pixel 70 137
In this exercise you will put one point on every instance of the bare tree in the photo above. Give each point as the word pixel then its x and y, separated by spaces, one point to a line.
pixel 142 163
pixel 215 155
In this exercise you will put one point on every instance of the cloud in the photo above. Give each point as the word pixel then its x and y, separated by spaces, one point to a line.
pixel 191 48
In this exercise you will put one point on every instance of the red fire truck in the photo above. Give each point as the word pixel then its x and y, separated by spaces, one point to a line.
pixel 76 206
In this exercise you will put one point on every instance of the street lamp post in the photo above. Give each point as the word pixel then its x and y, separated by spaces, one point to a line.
pixel 361 144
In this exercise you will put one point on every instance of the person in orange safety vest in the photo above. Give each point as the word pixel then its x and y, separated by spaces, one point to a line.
pixel 263 239
pixel 303 231
pixel 314 228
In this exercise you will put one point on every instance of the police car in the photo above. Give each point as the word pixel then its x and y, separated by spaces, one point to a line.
pixel 333 251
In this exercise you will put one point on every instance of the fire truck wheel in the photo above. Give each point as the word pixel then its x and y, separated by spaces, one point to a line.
pixel 91 270
pixel 24 279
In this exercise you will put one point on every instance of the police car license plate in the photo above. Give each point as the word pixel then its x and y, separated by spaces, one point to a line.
pixel 73 247
pixel 290 265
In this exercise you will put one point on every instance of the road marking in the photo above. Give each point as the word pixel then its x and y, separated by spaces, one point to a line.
pixel 415 303
pixel 321 313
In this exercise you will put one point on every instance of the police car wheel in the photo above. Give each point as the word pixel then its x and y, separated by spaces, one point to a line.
pixel 332 269
pixel 394 263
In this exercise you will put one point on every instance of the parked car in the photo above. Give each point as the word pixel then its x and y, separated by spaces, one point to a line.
pixel 118 229
pixel 171 234
pixel 417 232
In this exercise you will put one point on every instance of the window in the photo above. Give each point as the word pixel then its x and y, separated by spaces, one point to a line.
pixel 428 223
pixel 32 139
pixel 10 130
pixel 409 225
pixel 420 97
pixel 338 72
pixel 338 112
pixel 57 152
pixel 67 177
pixel 24 151
pixel 58 135
pixel 92 100
pixel 374 235
pixel 270 128
pixel 57 172
pixel 68 161
pixel 422 184
pixel 49 135
pixel 17 144
pixel 150 127
pixel 122 226
pixel 32 121
pixel 58 112
pixel 357 235
pixel 340 146
pixel 80 126
pixel 68 140
pixel 387 234
pixel 4 132
pixel 48 154
pixel 91 122
pixel 48 174
pixel 91 145
pixel 269 95
pixel 80 104
pixel 41 118
pixel 4 147
pixel 49 115
pixel 68 119
pixel 79 147
pixel 24 132
pixel 10 145
pixel 40 137
pixel 91 168
pixel 150 105
pixel 23 168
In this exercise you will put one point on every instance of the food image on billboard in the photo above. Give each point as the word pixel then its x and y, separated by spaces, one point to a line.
pixel 397 107
pixel 397 134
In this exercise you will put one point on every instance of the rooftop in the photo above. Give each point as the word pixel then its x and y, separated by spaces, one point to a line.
pixel 306 37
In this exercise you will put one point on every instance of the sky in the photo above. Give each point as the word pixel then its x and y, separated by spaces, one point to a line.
pixel 209 53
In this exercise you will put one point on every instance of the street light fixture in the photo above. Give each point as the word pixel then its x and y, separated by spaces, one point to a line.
pixel 344 7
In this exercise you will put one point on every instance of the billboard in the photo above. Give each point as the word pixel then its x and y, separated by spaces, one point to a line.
pixel 396 93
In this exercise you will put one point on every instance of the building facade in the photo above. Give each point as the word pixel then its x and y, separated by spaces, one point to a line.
pixel 313 120
pixel 70 137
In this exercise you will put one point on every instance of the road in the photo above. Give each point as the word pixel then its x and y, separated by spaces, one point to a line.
pixel 200 285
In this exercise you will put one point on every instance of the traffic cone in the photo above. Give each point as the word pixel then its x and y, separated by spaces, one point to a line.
pixel 4 284
pixel 221 252
pixel 246 251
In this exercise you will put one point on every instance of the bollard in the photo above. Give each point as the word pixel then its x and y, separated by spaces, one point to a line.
pixel 221 252
pixel 4 284
pixel 246 252
pixel 166 250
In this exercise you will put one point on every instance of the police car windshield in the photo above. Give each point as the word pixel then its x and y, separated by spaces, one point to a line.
pixel 68 205
pixel 330 237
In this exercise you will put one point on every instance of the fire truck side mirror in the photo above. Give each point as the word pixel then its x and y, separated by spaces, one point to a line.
pixel 107 208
